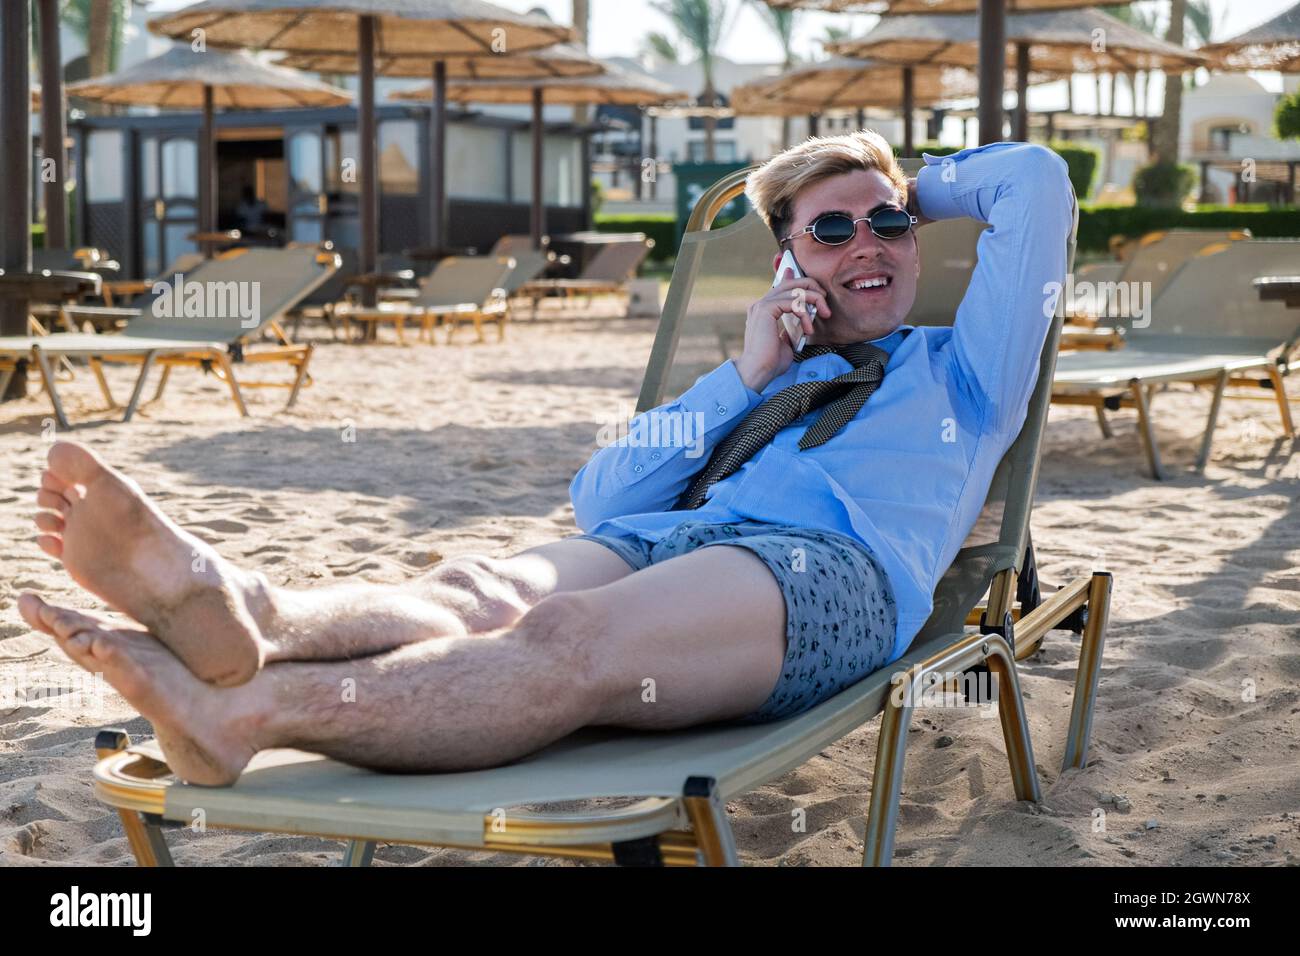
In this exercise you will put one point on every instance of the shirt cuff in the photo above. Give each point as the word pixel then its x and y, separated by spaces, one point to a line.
pixel 936 182
pixel 720 395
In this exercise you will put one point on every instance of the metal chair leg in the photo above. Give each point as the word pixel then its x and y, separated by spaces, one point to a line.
pixel 1089 673
pixel 47 378
pixel 1203 456
pixel 1279 390
pixel 357 853
pixel 1103 423
pixel 147 843
pixel 708 815
pixel 1146 430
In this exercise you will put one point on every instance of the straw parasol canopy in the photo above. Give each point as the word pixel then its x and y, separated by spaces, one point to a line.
pixel 418 28
pixel 920 6
pixel 1060 41
pixel 183 79
pixel 1274 45
pixel 615 87
pixel 991 40
pixel 433 29
pixel 1051 41
pixel 561 59
pixel 179 78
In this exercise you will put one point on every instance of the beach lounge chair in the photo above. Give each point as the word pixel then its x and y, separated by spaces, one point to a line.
pixel 460 289
pixel 1206 327
pixel 680 779
pixel 1150 263
pixel 212 341
pixel 608 273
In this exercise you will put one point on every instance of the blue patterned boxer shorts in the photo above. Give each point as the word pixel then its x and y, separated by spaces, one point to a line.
pixel 839 607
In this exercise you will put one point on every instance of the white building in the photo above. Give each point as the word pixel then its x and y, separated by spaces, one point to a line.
pixel 1227 130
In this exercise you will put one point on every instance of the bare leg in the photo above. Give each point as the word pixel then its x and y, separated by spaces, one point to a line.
pixel 224 623
pixel 707 629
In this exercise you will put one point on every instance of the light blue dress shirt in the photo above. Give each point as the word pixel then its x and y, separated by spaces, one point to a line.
pixel 909 475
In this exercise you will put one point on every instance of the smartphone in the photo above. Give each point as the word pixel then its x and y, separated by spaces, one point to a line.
pixel 793 328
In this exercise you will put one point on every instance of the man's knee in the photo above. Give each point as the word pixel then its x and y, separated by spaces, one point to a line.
pixel 567 628
pixel 488 584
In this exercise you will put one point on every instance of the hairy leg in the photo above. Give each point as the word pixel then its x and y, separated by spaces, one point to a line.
pixel 706 628
pixel 225 623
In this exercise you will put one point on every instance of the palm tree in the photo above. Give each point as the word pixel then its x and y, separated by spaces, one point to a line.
pixel 662 46
pixel 1164 137
pixel 581 27
pixel 782 23
pixel 100 25
pixel 700 24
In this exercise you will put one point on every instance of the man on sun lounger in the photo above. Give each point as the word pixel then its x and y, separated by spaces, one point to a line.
pixel 793 557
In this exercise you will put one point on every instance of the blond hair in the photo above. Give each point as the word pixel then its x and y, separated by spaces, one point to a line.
pixel 773 187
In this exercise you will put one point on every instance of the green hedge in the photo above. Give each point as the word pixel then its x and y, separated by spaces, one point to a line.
pixel 1098 223
pixel 661 227
pixel 1082 163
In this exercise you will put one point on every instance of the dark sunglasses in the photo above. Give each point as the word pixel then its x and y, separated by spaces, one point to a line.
pixel 835 229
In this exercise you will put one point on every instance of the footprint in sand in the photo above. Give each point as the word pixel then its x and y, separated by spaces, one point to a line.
pixel 219 525
pixel 266 549
pixel 362 519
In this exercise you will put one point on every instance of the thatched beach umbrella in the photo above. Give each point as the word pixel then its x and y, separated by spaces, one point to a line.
pixel 1274 45
pixel 1052 41
pixel 992 38
pixel 432 29
pixel 182 79
pixel 615 87
pixel 848 83
pixel 559 60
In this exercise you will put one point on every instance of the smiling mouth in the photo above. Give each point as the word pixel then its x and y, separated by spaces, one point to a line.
pixel 873 284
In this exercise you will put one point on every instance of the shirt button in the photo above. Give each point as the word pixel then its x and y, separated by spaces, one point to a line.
pixel 812 374
pixel 655 456
pixel 722 409
pixel 638 468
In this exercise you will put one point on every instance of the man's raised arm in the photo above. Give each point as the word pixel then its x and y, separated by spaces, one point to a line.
pixel 1023 191
pixel 652 465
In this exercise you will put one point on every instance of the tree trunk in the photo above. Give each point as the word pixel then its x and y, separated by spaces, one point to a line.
pixel 710 121
pixel 1164 138
pixel 581 25
pixel 98 42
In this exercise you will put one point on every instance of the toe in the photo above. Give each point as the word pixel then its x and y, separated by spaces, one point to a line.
pixel 53 501
pixel 29 606
pixel 50 544
pixel 65 622
pixel 49 522
pixel 74 464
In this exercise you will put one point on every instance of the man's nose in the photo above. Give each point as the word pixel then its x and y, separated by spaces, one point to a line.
pixel 865 243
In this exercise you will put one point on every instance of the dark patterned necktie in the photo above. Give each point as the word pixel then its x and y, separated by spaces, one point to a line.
pixel 846 394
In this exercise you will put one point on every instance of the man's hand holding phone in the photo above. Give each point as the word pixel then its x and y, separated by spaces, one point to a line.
pixel 787 309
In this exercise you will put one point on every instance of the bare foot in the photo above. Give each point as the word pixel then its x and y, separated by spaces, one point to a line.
pixel 117 544
pixel 196 728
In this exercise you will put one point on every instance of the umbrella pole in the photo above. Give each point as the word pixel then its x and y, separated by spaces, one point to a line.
pixel 53 128
pixel 369 171
pixel 438 158
pixel 909 106
pixel 993 64
pixel 1022 93
pixel 15 160
pixel 207 176
pixel 538 217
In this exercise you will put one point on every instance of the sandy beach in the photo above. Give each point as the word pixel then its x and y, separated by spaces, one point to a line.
pixel 397 458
